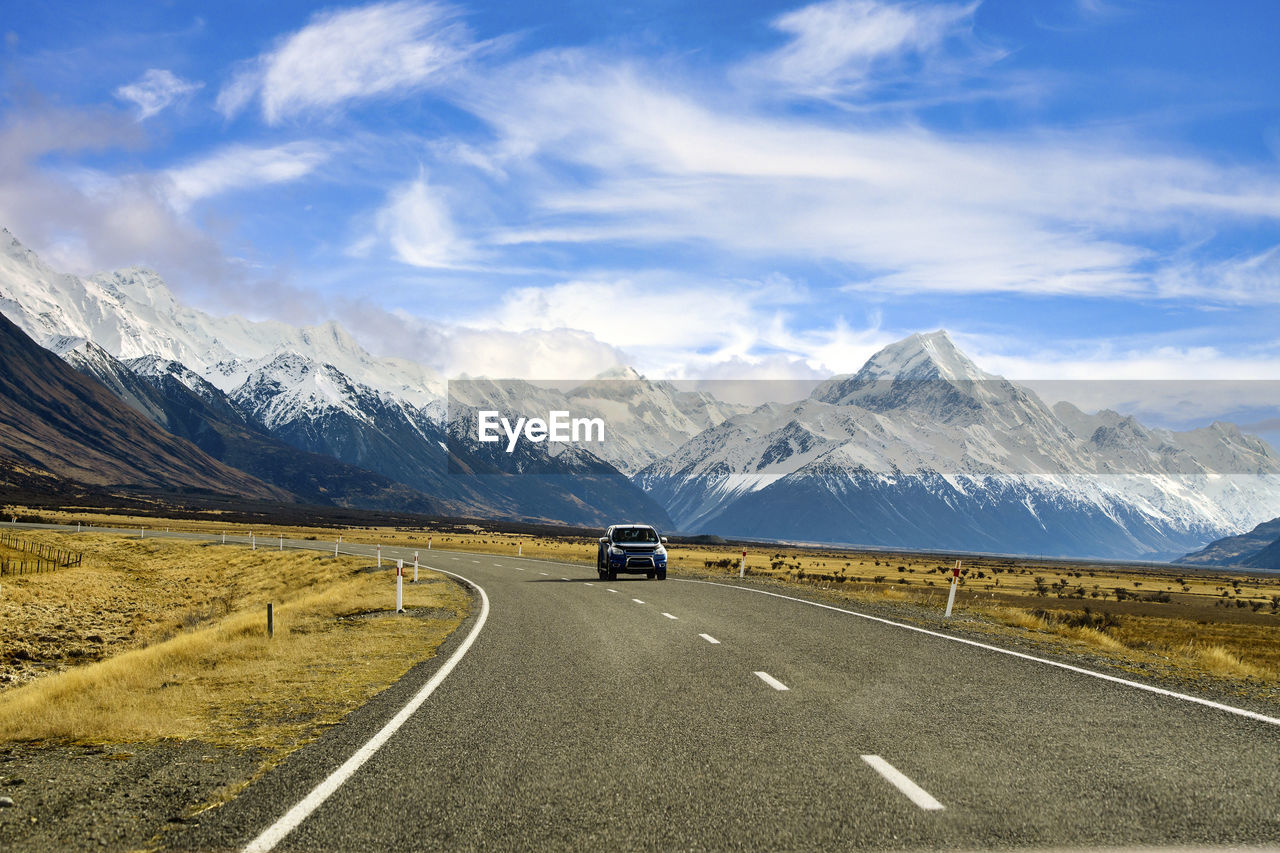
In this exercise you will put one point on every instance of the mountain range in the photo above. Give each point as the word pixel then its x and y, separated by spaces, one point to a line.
pixel 919 448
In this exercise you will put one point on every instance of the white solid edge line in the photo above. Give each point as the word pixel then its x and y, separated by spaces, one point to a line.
pixel 771 681
pixel 274 834
pixel 1185 697
pixel 710 639
pixel 895 777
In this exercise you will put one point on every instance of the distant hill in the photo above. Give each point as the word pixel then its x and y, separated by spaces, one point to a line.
pixel 55 421
pixel 1257 549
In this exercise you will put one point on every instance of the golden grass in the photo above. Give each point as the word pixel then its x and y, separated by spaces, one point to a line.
pixel 197 662
pixel 1163 617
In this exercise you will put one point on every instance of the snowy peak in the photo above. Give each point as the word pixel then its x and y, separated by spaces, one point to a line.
pixel 922 357
pixel 916 362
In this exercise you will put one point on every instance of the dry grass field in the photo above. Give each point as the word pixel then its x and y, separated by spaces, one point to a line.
pixel 160 638
pixel 1183 624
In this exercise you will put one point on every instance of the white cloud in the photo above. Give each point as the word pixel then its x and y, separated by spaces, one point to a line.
pixel 156 90
pixel 240 167
pixel 906 209
pixel 835 44
pixel 417 224
pixel 375 50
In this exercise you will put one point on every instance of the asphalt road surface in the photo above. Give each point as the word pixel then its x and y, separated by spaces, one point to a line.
pixel 676 714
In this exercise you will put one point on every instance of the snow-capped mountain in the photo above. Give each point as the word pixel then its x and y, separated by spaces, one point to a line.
pixel 921 448
pixel 645 420
pixel 315 389
pixel 132 313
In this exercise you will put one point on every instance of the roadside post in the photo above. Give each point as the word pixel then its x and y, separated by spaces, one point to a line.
pixel 253 541
pixel 224 537
pixel 142 533
pixel 955 581
pixel 399 586
pixel 428 543
pixel 77 527
pixel 281 541
pixel 415 566
pixel 379 556
pixel 335 547
pixel 742 567
pixel 520 550
pixel 271 622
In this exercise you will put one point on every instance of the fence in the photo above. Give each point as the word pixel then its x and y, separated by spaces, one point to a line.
pixel 36 556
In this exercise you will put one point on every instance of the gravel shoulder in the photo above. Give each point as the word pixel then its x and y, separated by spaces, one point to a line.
pixel 111 797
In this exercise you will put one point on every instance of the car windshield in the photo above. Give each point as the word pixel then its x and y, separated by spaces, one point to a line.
pixel 637 535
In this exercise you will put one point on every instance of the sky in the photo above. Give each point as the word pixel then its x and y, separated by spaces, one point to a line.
pixel 1074 189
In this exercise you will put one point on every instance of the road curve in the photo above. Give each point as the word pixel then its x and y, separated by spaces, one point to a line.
pixel 647 714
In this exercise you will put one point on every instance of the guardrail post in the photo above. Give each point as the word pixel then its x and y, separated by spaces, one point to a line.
pixel 955 581
pixel 399 586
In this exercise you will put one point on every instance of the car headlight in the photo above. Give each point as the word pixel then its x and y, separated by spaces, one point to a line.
pixel 615 551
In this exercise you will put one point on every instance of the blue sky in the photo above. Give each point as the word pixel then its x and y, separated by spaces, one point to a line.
pixel 1073 188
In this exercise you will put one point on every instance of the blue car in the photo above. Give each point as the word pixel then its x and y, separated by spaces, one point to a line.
pixel 634 549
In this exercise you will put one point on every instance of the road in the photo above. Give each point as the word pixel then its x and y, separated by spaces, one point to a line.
pixel 650 714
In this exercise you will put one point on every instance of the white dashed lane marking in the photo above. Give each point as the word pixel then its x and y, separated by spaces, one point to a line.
pixel 710 639
pixel 771 681
pixel 637 601
pixel 895 777
pixel 669 616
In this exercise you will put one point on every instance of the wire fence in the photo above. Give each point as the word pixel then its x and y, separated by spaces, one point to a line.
pixel 35 557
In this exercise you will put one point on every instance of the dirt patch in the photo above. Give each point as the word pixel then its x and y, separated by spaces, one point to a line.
pixel 117 797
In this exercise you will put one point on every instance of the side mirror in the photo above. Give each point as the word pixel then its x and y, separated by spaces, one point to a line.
pixel 604 540
pixel 664 539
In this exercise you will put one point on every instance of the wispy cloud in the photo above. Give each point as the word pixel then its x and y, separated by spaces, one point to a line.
pixel 240 167
pixel 834 46
pixel 382 49
pixel 156 90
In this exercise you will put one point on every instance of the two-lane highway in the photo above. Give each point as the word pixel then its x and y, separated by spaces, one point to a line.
pixel 634 713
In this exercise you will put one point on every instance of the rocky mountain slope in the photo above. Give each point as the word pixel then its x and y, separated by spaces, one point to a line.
pixel 1257 549
pixel 60 422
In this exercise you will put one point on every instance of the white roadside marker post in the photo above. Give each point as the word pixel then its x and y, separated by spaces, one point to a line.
pixel 142 534
pixel 335 547
pixel 77 527
pixel 742 567
pixel 253 541
pixel 415 566
pixel 224 537
pixel 379 556
pixel 955 581
pixel 520 550
pixel 399 586
pixel 428 543
pixel 281 541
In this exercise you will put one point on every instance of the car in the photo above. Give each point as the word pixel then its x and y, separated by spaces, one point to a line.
pixel 632 549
